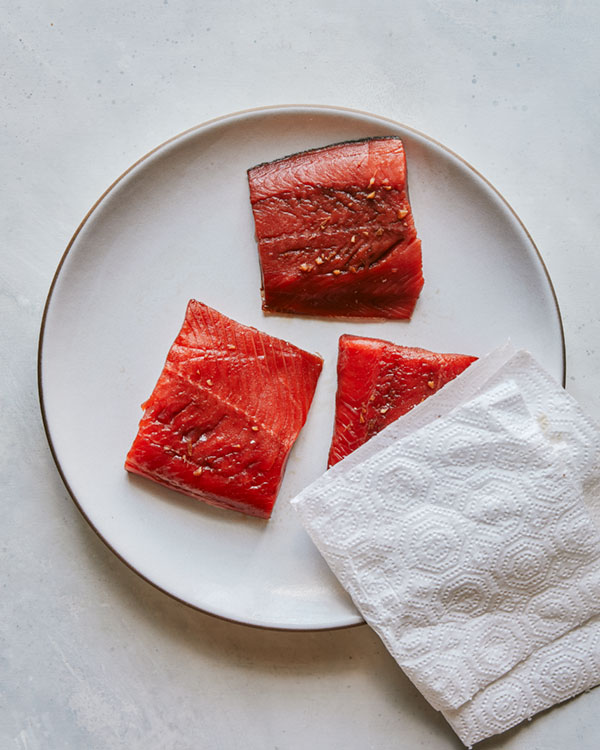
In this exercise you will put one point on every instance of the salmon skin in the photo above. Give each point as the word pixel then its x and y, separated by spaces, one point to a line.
pixel 379 381
pixel 225 413
pixel 335 231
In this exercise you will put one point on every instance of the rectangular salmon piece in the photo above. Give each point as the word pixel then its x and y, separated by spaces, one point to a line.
pixel 335 231
pixel 225 412
pixel 378 382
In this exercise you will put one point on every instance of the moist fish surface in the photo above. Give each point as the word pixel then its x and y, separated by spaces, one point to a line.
pixel 378 382
pixel 335 231
pixel 225 413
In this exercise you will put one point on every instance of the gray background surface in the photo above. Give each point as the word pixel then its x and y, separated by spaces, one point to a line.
pixel 92 656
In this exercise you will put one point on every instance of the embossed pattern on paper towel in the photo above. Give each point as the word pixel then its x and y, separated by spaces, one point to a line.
pixel 466 565
pixel 554 673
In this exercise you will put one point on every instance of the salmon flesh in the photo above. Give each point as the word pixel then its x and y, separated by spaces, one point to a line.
pixel 335 230
pixel 379 381
pixel 225 413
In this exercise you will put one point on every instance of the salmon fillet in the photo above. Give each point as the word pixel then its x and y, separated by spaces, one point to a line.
pixel 335 230
pixel 225 413
pixel 378 382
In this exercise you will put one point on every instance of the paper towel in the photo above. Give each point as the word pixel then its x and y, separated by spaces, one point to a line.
pixel 463 535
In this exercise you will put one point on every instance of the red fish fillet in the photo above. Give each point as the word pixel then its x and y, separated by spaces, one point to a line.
pixel 335 232
pixel 378 382
pixel 225 413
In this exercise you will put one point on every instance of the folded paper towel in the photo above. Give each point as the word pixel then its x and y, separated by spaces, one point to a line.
pixel 467 534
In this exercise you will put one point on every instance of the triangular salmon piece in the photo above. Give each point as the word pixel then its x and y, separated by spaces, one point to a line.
pixel 379 381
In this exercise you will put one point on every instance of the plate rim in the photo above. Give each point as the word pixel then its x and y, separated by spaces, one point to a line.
pixel 212 121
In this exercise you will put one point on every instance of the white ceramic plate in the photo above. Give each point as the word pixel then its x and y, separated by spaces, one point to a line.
pixel 178 225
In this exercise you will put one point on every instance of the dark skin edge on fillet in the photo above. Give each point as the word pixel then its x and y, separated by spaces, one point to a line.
pixel 324 148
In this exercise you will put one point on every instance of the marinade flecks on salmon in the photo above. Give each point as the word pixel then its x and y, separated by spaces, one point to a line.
pixel 335 232
pixel 378 382
pixel 225 413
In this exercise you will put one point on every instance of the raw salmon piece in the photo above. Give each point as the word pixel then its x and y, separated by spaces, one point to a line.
pixel 335 232
pixel 378 382
pixel 225 413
